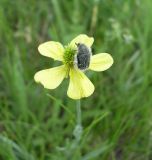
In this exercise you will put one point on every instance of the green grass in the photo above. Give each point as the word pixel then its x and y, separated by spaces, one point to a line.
pixel 37 124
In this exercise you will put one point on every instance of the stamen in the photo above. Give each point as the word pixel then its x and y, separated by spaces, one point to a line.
pixel 69 56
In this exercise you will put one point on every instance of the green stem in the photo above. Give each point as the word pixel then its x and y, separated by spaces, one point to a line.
pixel 78 128
pixel 77 132
pixel 78 108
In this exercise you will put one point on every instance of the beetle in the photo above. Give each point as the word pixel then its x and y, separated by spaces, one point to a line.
pixel 82 57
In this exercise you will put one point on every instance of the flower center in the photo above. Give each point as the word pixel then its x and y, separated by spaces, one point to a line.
pixel 69 56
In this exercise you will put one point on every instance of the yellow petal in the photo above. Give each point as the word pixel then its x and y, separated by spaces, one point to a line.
pixel 82 38
pixel 51 78
pixel 101 62
pixel 52 49
pixel 80 86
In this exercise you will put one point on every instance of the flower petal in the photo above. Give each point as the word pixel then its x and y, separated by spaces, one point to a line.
pixel 52 49
pixel 101 62
pixel 82 38
pixel 80 86
pixel 51 78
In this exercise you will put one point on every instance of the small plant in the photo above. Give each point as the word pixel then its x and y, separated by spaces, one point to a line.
pixel 76 58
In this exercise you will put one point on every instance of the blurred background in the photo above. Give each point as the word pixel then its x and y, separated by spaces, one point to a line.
pixel 37 124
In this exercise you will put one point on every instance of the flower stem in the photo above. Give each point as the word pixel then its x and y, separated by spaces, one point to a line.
pixel 74 148
pixel 78 128
pixel 78 107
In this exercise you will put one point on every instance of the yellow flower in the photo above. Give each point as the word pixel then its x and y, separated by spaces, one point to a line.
pixel 80 86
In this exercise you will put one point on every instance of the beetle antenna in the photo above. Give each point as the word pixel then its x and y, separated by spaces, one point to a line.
pixel 77 44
